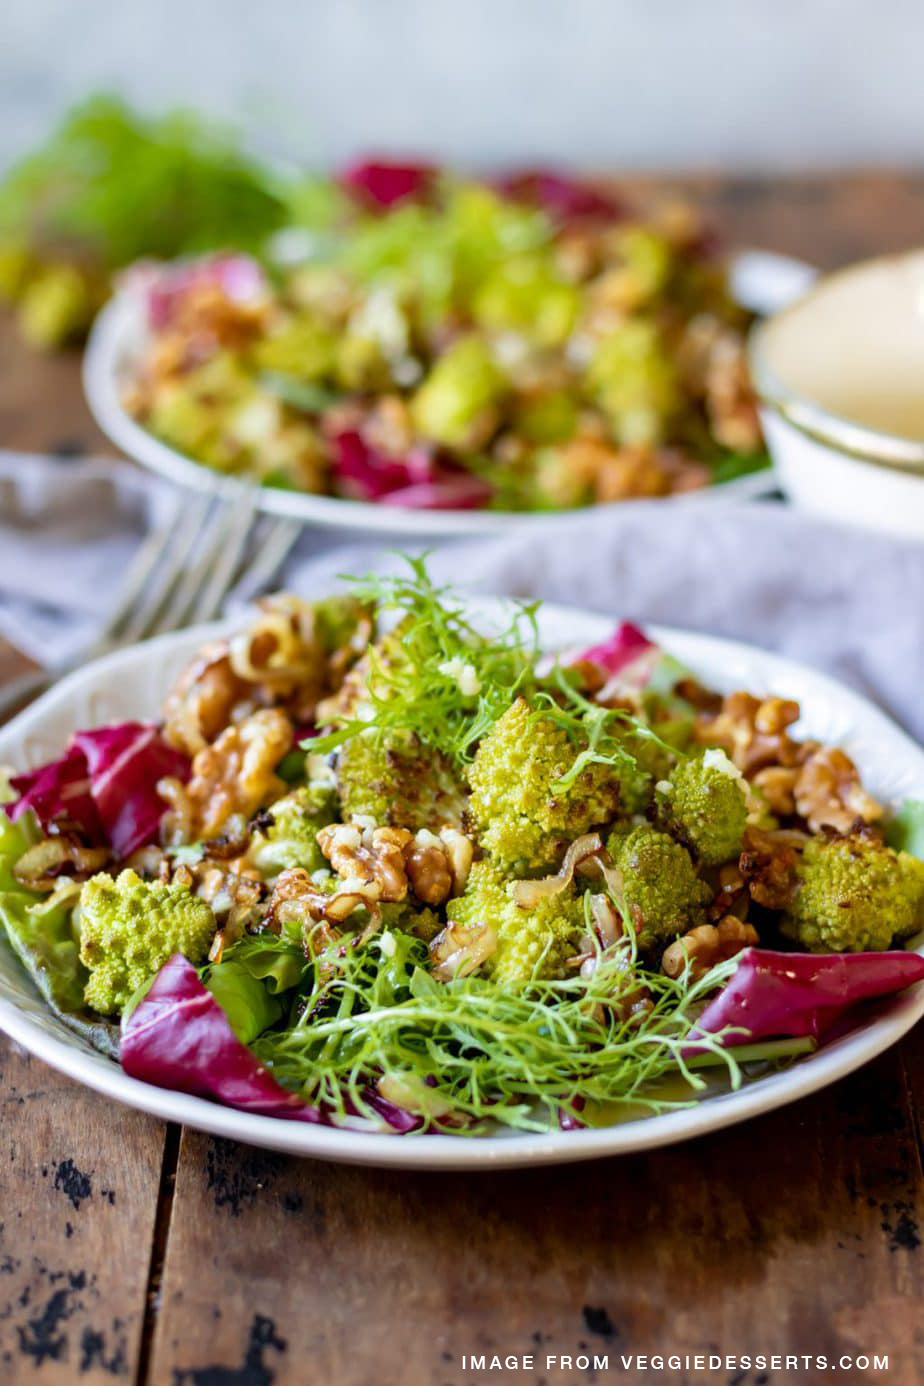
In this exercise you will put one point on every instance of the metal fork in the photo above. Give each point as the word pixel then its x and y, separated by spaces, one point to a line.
pixel 180 576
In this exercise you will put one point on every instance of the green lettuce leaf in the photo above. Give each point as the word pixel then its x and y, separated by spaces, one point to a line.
pixel 905 832
pixel 247 1002
pixel 42 933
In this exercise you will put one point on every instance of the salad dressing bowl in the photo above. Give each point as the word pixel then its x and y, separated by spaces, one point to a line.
pixel 838 374
pixel 132 682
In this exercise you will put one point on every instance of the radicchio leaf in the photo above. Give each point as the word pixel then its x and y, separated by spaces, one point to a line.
pixel 178 1037
pixel 59 791
pixel 366 474
pixel 380 184
pixel 106 784
pixel 791 994
pixel 565 199
pixel 624 647
pixel 125 762
pixel 416 481
pixel 239 277
pixel 449 493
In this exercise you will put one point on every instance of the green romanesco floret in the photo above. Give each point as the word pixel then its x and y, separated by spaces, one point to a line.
pixel 704 804
pixel 422 922
pixel 634 381
pixel 854 895
pixel 130 927
pixel 459 395
pixel 531 943
pixel 664 895
pixel 524 819
pixel 392 777
pixel 289 839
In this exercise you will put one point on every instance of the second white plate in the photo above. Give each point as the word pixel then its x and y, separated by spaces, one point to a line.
pixel 761 282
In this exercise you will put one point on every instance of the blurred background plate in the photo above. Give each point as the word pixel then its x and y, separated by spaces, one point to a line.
pixel 762 282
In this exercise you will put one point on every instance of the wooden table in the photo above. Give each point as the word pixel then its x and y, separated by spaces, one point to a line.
pixel 134 1251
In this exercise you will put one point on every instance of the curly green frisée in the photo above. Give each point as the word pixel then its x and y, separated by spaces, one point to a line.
pixel 388 866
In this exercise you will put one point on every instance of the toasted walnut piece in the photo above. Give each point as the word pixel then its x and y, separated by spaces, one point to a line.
pixel 777 783
pixel 630 473
pixel 730 401
pixel 388 426
pixel 387 861
pixel 202 702
pixel 768 866
pixel 459 852
pixel 428 872
pixel 828 792
pixel 752 731
pixel 234 776
pixel 707 945
pixel 371 860
pixel 731 895
pixel 774 715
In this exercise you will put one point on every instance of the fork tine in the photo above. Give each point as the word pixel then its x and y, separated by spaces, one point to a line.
pixel 221 533
pixel 272 549
pixel 227 563
pixel 145 563
pixel 142 621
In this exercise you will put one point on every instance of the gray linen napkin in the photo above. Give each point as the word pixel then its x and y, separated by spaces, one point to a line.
pixel 839 599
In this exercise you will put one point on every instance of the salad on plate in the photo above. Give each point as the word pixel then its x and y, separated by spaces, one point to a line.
pixel 379 868
pixel 433 343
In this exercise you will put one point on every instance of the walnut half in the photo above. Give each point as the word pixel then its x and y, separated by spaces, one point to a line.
pixel 828 793
pixel 236 775
pixel 387 862
pixel 707 945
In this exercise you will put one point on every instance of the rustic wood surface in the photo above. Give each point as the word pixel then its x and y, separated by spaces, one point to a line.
pixel 132 1251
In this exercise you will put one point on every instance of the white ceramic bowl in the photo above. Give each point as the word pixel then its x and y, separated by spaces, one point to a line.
pixel 131 683
pixel 761 281
pixel 839 376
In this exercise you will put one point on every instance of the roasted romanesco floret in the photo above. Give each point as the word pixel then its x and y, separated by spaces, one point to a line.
pixel 664 895
pixel 393 778
pixel 704 804
pixel 289 837
pixel 455 405
pixel 533 942
pixel 130 927
pixel 524 820
pixel 854 895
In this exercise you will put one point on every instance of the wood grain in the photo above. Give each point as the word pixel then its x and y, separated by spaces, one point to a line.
pixel 79 1183
pixel 796 1233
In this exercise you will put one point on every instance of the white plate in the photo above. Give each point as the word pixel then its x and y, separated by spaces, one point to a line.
pixel 131 684
pixel 761 281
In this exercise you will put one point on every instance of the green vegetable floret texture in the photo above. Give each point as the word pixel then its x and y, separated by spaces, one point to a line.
pixel 664 895
pixel 394 778
pixel 704 803
pixel 290 838
pixel 130 927
pixel 524 818
pixel 531 943
pixel 855 895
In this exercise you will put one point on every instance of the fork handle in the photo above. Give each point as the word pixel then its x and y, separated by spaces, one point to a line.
pixel 22 690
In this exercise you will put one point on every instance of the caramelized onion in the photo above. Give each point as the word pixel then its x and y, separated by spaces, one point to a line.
pixel 42 866
pixel 461 948
pixel 607 924
pixel 527 894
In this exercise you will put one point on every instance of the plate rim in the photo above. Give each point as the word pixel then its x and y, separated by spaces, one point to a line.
pixel 99 372
pixel 448 1152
